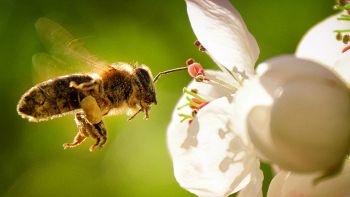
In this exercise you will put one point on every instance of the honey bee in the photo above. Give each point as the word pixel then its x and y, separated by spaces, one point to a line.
pixel 112 89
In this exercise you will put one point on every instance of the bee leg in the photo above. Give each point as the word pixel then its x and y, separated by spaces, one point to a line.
pixel 99 133
pixel 91 109
pixel 86 129
pixel 82 134
pixel 146 111
pixel 133 115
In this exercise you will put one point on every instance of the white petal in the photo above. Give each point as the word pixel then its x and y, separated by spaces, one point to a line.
pixel 296 113
pixel 209 158
pixel 286 184
pixel 319 43
pixel 254 188
pixel 342 66
pixel 208 92
pixel 222 31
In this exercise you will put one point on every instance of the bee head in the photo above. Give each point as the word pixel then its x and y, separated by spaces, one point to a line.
pixel 145 82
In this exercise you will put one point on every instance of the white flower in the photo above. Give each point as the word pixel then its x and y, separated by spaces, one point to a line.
pixel 320 45
pixel 297 114
pixel 210 158
pixel 289 184
pixel 213 155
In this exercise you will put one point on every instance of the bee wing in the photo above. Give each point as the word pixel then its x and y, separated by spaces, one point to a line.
pixel 46 66
pixel 63 47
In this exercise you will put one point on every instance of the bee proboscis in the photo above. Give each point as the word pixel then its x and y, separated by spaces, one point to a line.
pixel 111 89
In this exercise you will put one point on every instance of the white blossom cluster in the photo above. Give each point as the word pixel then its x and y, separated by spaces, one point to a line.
pixel 292 112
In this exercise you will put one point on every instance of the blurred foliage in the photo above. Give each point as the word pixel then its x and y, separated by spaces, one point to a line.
pixel 135 161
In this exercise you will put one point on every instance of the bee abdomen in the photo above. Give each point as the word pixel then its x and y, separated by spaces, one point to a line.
pixel 52 98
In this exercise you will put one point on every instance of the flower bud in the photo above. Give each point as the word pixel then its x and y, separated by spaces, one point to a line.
pixel 286 184
pixel 296 113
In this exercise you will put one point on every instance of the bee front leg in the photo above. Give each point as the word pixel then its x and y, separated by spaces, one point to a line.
pixel 146 111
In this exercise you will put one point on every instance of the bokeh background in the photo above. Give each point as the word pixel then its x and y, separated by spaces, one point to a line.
pixel 135 160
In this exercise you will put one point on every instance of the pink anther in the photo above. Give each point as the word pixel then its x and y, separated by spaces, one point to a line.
pixel 195 70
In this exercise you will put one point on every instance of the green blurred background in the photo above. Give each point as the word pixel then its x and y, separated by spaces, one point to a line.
pixel 135 160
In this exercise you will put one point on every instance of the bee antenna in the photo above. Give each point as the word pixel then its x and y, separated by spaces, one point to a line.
pixel 167 72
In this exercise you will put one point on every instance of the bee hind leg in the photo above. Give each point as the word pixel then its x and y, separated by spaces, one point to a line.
pixel 86 129
pixel 83 127
pixel 99 133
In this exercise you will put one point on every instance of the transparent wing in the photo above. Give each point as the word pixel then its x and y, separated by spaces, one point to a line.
pixel 46 66
pixel 64 51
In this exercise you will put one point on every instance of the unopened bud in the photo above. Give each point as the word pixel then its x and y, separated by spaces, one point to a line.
pixel 296 113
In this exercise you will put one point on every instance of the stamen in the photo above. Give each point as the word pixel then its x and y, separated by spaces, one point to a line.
pixel 185 117
pixel 197 43
pixel 346 39
pixel 192 104
pixel 189 61
pixel 230 87
pixel 183 106
pixel 194 91
pixel 202 49
pixel 345 49
pixel 195 102
pixel 339 37
pixel 200 46
pixel 342 31
pixel 185 91
pixel 342 5
pixel 196 71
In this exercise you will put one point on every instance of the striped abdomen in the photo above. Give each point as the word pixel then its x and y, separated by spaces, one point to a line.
pixel 52 98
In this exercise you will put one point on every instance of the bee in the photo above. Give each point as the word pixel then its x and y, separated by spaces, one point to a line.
pixel 111 89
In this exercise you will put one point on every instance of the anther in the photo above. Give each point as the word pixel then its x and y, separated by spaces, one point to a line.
pixel 339 37
pixel 195 102
pixel 346 39
pixel 197 43
pixel 202 49
pixel 200 46
pixel 189 61
pixel 194 113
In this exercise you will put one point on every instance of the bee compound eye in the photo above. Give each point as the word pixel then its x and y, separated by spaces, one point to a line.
pixel 143 76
